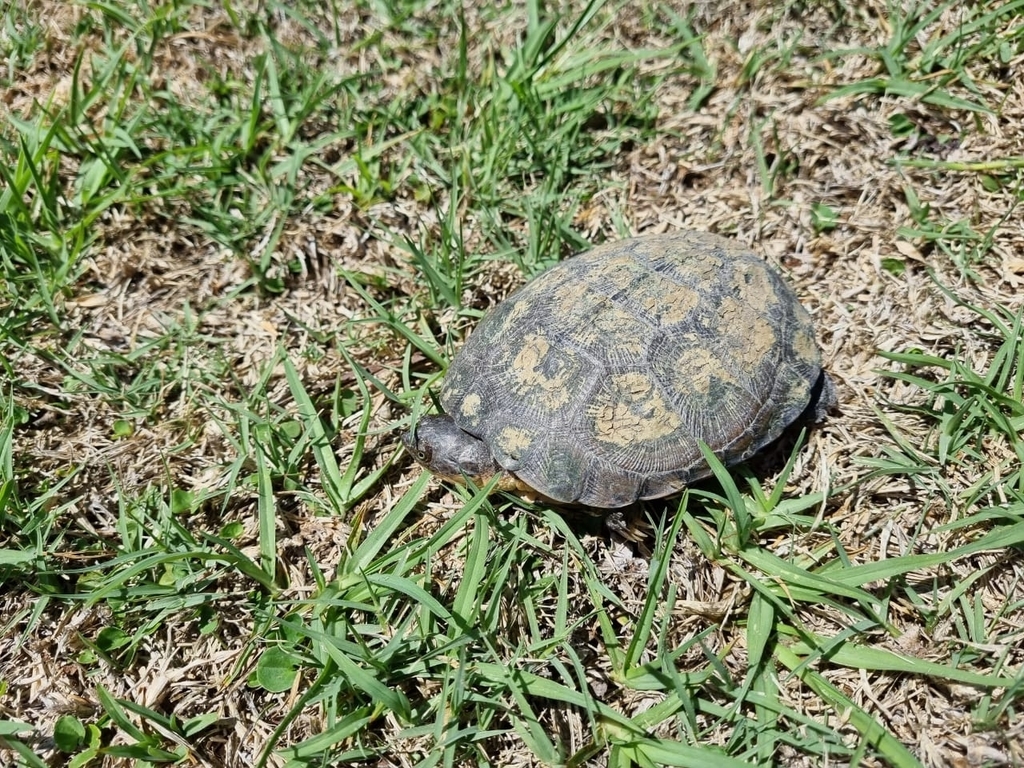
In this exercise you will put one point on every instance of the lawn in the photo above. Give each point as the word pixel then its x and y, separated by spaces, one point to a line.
pixel 239 242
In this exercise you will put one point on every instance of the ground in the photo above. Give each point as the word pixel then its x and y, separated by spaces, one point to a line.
pixel 240 242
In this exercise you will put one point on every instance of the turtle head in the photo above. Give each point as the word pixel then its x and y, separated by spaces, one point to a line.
pixel 441 446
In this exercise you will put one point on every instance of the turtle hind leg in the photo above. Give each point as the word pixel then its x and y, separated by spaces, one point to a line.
pixel 628 524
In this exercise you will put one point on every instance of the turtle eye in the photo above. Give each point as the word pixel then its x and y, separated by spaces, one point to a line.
pixel 422 454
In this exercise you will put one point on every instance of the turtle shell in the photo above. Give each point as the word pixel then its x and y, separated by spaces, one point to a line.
pixel 595 381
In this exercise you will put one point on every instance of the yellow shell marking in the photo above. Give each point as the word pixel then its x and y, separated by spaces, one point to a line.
pixel 702 368
pixel 470 407
pixel 672 303
pixel 753 335
pixel 804 344
pixel 704 267
pixel 631 410
pixel 597 324
pixel 754 287
pixel 618 330
pixel 551 391
pixel 513 442
pixel 619 271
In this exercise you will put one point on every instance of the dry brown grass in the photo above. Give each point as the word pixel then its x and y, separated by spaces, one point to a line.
pixel 766 146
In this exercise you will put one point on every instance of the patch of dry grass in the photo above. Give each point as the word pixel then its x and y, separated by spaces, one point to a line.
pixel 240 240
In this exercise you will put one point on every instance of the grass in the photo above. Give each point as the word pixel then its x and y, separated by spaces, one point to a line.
pixel 239 244
pixel 928 71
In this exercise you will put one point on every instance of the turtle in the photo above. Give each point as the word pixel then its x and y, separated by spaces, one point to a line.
pixel 596 382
